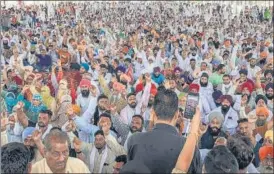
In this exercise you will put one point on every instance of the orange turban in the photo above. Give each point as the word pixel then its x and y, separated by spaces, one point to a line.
pixel 262 111
pixel 263 54
pixel 265 151
pixel 125 77
pixel 267 43
pixel 76 109
pixel 119 86
pixel 125 50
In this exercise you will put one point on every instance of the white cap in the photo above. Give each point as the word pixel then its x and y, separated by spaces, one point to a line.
pixel 144 71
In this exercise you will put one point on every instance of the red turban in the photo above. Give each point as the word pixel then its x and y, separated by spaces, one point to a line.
pixel 85 82
pixel 119 86
pixel 140 87
pixel 226 97
pixel 18 80
pixel 153 90
pixel 194 86
pixel 249 86
pixel 265 151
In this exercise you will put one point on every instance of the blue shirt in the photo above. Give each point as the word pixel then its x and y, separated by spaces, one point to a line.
pixel 159 80
pixel 88 128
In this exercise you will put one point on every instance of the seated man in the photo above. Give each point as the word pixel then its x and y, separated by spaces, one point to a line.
pixel 90 129
pixel 220 160
pixel 214 131
pixel 99 155
pixel 230 115
pixel 57 158
pixel 266 157
pixel 15 158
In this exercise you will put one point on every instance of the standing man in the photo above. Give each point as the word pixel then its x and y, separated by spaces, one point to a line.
pixel 159 156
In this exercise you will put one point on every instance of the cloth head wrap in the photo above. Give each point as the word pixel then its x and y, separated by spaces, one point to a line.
pixel 194 86
pixel 216 114
pixel 37 97
pixel 265 151
pixel 85 82
pixel 262 111
pixel 27 132
pixel 227 97
pixel 260 97
pixel 249 86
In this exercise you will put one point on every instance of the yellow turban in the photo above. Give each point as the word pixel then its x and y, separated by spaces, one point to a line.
pixel 269 134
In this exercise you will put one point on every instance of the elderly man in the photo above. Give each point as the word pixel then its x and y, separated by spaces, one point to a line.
pixel 57 158
pixel 230 115
pixel 259 122
pixel 266 154
pixel 32 140
pixel 214 131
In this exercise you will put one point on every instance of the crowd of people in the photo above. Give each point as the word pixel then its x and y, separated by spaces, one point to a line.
pixel 102 87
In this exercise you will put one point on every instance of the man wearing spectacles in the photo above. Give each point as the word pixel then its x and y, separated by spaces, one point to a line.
pixel 57 158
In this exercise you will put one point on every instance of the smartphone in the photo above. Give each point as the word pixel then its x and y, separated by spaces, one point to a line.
pixel 191 104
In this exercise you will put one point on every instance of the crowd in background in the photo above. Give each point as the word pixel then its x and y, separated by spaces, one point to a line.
pixel 102 87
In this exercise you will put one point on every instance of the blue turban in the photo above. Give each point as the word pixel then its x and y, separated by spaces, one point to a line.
pixel 37 97
pixel 27 132
pixel 121 68
pixel 11 101
pixel 217 95
pixel 184 77
pixel 85 66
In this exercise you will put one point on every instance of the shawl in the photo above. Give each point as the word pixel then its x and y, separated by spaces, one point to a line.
pixel 60 118
pixel 92 159
pixel 33 111
pixel 46 97
pixel 10 101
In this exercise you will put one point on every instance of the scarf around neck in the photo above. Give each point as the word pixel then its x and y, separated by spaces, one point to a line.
pixel 93 158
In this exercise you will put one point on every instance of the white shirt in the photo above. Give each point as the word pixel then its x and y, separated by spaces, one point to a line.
pixel 127 113
pixel 252 71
